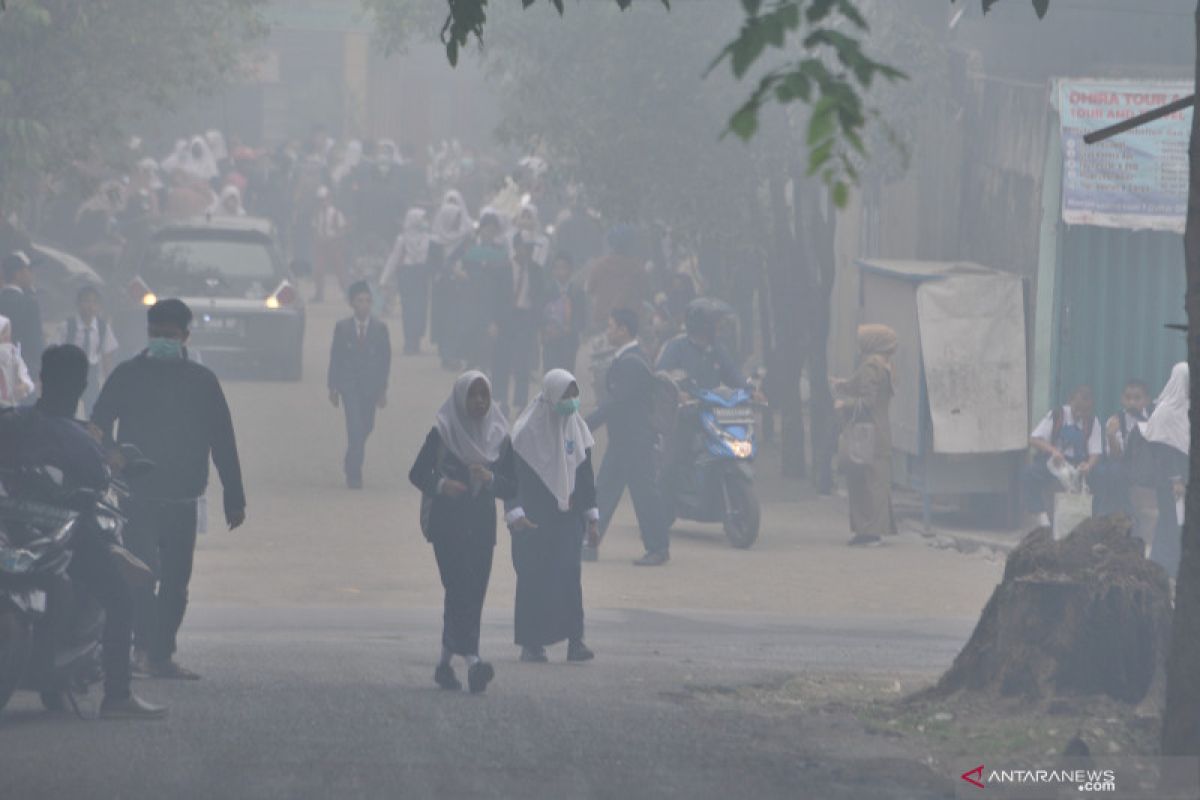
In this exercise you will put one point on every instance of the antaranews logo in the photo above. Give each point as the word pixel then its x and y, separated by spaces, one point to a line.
pixel 975 777
pixel 1085 780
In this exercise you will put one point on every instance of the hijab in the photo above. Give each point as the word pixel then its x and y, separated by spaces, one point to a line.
pixel 532 235
pixel 553 445
pixel 877 340
pixel 198 161
pixel 472 441
pixel 230 192
pixel 452 224
pixel 1169 423
pixel 415 238
pixel 216 145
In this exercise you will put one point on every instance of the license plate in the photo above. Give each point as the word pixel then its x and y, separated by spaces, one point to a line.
pixel 732 416
pixel 223 324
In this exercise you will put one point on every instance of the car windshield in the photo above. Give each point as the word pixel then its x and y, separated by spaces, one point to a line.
pixel 180 262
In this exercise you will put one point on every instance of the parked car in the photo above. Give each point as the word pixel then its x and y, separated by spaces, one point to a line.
pixel 247 308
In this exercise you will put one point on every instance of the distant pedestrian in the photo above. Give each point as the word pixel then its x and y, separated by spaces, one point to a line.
pixel 19 302
pixel 516 354
pixel 88 330
pixel 552 513
pixel 412 262
pixel 16 386
pixel 629 459
pixel 1069 435
pixel 174 411
pixel 866 397
pixel 1169 434
pixel 453 231
pixel 457 474
pixel 1113 478
pixel 329 243
pixel 617 279
pixel 564 316
pixel 359 365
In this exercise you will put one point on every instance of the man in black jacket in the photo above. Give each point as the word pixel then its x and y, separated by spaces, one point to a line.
pixel 19 303
pixel 359 365
pixel 629 458
pixel 174 410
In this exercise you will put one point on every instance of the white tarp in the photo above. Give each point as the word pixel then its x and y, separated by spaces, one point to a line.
pixel 972 329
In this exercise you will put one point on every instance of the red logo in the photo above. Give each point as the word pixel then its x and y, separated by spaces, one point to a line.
pixel 975 777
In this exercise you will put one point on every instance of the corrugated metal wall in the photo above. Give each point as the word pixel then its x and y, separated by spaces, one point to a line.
pixel 1118 289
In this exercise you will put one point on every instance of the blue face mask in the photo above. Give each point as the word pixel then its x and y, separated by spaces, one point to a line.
pixel 161 347
pixel 567 407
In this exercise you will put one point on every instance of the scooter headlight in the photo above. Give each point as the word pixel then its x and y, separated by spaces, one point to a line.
pixel 741 448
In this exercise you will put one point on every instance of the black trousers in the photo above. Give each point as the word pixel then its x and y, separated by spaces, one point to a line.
pixel 464 560
pixel 560 352
pixel 632 464
pixel 414 306
pixel 516 355
pixel 162 534
pixel 360 421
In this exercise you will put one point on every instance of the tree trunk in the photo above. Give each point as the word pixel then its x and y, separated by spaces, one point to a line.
pixel 1181 718
pixel 788 304
pixel 816 234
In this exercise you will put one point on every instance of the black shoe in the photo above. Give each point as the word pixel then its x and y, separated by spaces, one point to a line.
pixel 444 677
pixel 589 554
pixel 132 707
pixel 534 655
pixel 578 651
pixel 655 558
pixel 479 676
pixel 170 671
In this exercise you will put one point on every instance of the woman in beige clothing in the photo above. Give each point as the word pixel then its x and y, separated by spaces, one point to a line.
pixel 865 397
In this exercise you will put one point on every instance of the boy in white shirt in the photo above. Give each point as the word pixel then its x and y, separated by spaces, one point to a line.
pixel 92 334
pixel 1070 434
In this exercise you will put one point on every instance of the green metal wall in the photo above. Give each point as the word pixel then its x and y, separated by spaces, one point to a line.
pixel 1117 290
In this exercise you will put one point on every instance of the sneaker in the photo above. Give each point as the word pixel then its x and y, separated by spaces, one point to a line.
pixel 169 670
pixel 444 677
pixel 479 676
pixel 578 651
pixel 589 554
pixel 653 559
pixel 534 655
pixel 132 707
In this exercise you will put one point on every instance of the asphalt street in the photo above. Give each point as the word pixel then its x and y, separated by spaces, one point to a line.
pixel 316 627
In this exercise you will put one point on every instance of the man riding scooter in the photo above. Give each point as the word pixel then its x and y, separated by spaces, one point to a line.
pixel 47 435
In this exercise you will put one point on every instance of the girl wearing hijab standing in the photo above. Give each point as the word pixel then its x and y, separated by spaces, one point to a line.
pixel 412 262
pixel 1169 433
pixel 453 231
pixel 554 505
pixel 456 471
pixel 865 397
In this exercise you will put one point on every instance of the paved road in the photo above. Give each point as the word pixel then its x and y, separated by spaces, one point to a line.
pixel 339 703
pixel 316 624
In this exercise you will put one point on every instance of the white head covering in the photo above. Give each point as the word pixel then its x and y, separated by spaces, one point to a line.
pixel 387 152
pixel 534 237
pixel 350 159
pixel 553 445
pixel 472 441
pixel 453 224
pixel 228 193
pixel 199 161
pixel 15 383
pixel 416 237
pixel 1169 423
pixel 177 157
pixel 216 144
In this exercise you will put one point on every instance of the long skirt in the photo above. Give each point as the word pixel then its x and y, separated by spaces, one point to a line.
pixel 870 491
pixel 465 563
pixel 549 587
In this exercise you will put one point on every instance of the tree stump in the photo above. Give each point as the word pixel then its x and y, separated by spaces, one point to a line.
pixel 1088 615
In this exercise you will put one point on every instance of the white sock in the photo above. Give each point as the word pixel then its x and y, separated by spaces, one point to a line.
pixel 446 656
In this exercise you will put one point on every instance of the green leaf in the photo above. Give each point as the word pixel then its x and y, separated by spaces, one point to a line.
pixel 1040 7
pixel 751 7
pixel 744 123
pixel 841 194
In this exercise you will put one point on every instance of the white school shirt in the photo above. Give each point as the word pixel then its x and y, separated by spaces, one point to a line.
pixel 95 348
pixel 1045 432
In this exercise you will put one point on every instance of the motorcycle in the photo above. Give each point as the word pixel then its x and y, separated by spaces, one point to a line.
pixel 717 481
pixel 37 529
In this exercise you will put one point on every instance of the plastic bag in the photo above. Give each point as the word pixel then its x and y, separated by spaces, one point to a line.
pixel 1070 510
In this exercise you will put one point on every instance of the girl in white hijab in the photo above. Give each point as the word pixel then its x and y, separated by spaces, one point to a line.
pixel 410 262
pixel 1169 433
pixel 452 226
pixel 555 505
pixel 15 383
pixel 229 203
pixel 459 479
pixel 198 161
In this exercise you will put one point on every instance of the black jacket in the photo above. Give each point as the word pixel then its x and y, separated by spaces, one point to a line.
pixel 629 404
pixel 473 516
pixel 25 313
pixel 176 414
pixel 360 368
